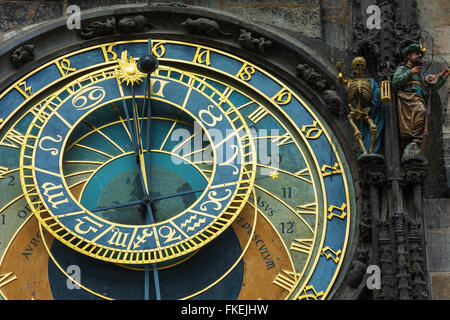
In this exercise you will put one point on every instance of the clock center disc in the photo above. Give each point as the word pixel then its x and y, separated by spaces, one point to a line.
pixel 118 182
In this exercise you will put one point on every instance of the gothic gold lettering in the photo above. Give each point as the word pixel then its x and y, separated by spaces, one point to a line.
pixel 64 67
pixel 118 238
pixel 283 97
pixel 312 131
pixel 340 215
pixel 309 293
pixel 246 72
pixel 202 56
pixel 330 170
pixel 90 228
pixel 108 53
pixel 52 198
pixel 24 89
pixel 158 49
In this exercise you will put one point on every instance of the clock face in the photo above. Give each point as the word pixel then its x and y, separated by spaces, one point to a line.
pixel 207 179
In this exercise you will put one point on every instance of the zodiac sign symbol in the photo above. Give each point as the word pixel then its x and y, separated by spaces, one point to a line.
pixel 195 225
pixel 95 94
pixel 53 151
pixel 65 68
pixel 49 187
pixel 146 233
pixel 213 117
pixel 216 201
pixel 169 235
pixel 231 160
pixel 118 238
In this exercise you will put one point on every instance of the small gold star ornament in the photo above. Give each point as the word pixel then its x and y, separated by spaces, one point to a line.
pixel 274 175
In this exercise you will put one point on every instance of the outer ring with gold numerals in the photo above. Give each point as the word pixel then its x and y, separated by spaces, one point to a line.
pixel 334 184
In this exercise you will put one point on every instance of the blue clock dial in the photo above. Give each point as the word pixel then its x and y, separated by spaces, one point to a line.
pixel 210 173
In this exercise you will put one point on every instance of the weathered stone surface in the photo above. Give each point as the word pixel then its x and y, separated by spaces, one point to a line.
pixel 18 14
pixel 440 283
pixel 437 214
pixel 301 17
pixel 438 250
pixel 89 4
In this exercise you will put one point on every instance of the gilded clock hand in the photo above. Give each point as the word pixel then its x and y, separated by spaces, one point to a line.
pixel 130 128
pixel 178 194
pixel 150 220
pixel 140 160
pixel 120 205
pixel 147 64
pixel 135 140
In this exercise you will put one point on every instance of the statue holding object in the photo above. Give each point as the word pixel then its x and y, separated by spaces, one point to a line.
pixel 413 96
pixel 365 106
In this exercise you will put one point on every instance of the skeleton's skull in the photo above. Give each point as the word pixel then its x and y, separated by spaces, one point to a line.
pixel 359 65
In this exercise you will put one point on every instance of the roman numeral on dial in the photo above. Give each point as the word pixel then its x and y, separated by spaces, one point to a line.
pixel 286 280
pixel 14 139
pixel 7 278
pixel 302 245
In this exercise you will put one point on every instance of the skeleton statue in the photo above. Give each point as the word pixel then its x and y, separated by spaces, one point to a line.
pixel 364 97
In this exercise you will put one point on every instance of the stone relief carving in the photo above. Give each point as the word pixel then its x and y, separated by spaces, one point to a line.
pixel 318 82
pixel 249 42
pixel 110 26
pixel 22 55
pixel 133 24
pixel 99 28
pixel 205 27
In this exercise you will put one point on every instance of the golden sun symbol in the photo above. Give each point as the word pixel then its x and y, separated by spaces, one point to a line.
pixel 128 70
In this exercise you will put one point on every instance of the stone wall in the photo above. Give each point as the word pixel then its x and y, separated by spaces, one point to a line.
pixel 328 20
pixel 434 16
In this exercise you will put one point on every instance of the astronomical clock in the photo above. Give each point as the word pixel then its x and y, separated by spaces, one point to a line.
pixel 158 165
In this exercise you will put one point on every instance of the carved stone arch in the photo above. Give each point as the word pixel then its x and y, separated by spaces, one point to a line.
pixel 293 62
